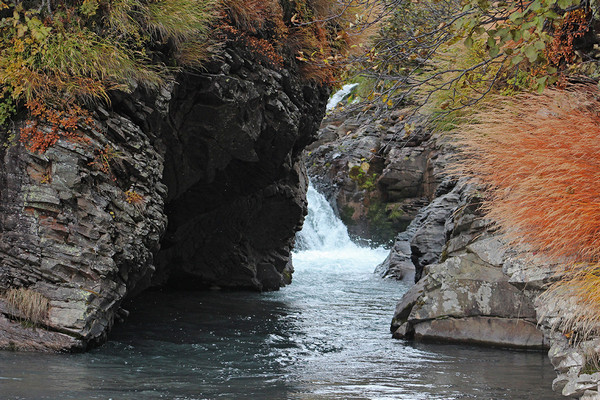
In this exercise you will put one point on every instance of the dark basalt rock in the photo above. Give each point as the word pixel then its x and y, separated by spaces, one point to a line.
pixel 237 188
pixel 423 241
pixel 68 232
pixel 216 152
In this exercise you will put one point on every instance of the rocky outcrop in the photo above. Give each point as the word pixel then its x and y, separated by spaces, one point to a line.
pixel 464 295
pixel 79 224
pixel 575 365
pixel 216 153
pixel 481 291
pixel 377 172
pixel 422 242
pixel 237 187
pixel 467 298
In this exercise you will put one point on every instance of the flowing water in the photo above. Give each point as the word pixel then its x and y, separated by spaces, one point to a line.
pixel 326 336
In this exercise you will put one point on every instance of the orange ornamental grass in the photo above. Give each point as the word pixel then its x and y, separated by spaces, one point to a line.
pixel 539 158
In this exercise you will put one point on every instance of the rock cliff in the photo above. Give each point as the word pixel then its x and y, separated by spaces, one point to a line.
pixel 481 291
pixel 378 171
pixel 464 295
pixel 474 288
pixel 84 225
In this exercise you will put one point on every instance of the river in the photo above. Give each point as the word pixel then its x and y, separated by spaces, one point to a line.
pixel 326 336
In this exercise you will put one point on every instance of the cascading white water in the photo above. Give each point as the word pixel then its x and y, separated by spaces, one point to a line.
pixel 324 241
pixel 322 229
pixel 338 96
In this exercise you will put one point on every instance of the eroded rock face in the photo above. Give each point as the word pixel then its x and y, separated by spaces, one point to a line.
pixel 69 231
pixel 217 152
pixel 399 165
pixel 465 295
pixel 466 299
pixel 237 186
pixel 482 291
pixel 423 241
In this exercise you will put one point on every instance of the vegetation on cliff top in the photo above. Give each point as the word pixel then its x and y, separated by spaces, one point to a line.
pixel 56 57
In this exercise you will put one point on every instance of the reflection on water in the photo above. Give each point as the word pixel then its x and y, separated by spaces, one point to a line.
pixel 324 337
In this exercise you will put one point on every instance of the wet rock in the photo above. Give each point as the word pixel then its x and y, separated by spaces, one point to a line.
pixel 490 331
pixel 237 184
pixel 422 243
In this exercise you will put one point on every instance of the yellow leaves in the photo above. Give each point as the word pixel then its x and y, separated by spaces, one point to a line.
pixel 19 45
pixel 89 7
pixel 132 197
pixel 21 30
pixel 387 100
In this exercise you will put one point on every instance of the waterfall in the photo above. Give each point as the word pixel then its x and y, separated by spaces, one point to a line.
pixel 323 245
pixel 322 229
pixel 340 95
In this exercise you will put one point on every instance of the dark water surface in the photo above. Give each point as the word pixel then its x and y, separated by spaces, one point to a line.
pixel 324 337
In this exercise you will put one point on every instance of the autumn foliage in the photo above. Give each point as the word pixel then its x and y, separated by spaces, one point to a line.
pixel 47 125
pixel 56 60
pixel 318 34
pixel 539 158
pixel 575 24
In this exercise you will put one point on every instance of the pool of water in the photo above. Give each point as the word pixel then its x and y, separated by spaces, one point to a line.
pixel 326 336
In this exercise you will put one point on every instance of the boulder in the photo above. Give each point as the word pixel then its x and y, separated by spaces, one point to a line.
pixel 466 299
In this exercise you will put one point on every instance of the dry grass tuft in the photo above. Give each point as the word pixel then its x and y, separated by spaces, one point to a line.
pixel 32 305
pixel 253 16
pixel 577 293
pixel 539 157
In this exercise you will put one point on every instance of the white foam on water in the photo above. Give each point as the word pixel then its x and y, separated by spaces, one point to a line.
pixel 324 242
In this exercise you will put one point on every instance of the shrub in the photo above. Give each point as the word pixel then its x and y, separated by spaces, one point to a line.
pixel 421 49
pixel 63 58
pixel 538 156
